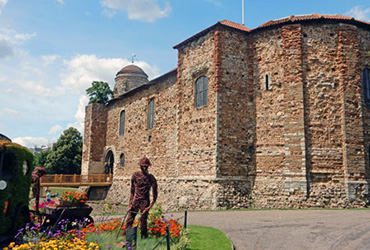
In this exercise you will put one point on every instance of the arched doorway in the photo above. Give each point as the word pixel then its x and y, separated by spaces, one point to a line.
pixel 109 162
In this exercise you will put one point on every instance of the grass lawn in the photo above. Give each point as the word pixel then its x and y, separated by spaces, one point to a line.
pixel 202 237
pixel 199 238
pixel 58 190
pixel 109 240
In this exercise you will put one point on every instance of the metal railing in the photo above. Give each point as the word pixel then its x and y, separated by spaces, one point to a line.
pixel 76 180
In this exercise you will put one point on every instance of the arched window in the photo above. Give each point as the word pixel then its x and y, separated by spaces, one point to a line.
pixel 366 86
pixel 122 159
pixel 201 91
pixel 122 120
pixel 109 163
pixel 151 112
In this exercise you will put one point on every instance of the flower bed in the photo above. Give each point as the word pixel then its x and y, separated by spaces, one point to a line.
pixel 98 236
pixel 72 198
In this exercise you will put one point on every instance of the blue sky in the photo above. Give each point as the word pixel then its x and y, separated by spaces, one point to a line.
pixel 51 50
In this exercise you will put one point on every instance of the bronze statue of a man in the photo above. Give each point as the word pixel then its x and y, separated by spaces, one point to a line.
pixel 141 183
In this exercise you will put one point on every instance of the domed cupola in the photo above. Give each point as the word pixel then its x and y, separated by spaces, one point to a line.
pixel 129 78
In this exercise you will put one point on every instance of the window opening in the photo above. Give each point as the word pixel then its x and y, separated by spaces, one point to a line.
pixel 201 91
pixel 151 112
pixel 267 82
pixel 122 159
pixel 122 121
pixel 109 163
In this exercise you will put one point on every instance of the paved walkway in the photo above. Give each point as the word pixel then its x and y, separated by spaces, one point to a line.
pixel 290 229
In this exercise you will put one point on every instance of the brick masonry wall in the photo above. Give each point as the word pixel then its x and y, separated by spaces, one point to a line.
pixel 235 107
pixel 158 143
pixel 94 139
pixel 354 161
pixel 196 142
pixel 280 173
pixel 323 102
pixel 301 143
pixel 364 62
pixel 317 117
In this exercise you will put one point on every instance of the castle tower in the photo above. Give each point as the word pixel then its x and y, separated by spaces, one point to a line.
pixel 129 78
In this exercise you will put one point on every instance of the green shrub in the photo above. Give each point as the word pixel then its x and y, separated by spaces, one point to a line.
pixel 18 184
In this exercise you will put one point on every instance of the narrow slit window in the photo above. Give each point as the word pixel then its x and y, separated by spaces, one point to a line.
pixel 267 82
pixel 122 122
pixel 122 159
pixel 151 112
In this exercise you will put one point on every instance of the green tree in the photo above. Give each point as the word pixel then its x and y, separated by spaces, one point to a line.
pixel 41 158
pixel 99 92
pixel 66 153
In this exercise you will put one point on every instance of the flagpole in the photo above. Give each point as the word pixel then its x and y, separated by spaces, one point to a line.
pixel 243 12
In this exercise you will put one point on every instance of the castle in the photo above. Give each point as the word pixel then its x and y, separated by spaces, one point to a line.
pixel 272 117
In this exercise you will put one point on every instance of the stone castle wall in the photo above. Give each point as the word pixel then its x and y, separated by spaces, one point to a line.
pixel 328 146
pixel 196 126
pixel 299 139
pixel 94 139
pixel 364 62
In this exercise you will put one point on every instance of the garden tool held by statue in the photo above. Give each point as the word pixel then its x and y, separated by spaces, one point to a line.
pixel 129 232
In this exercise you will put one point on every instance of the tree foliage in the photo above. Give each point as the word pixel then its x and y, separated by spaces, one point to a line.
pixel 99 92
pixel 66 154
pixel 41 158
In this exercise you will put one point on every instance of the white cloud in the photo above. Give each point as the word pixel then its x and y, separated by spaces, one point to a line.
pixel 3 79
pixel 80 114
pixel 109 12
pixel 7 112
pixel 6 50
pixel 82 70
pixel 2 4
pixel 44 100
pixel 31 141
pixel 359 12
pixel 37 89
pixel 54 129
pixel 15 37
pixel 142 10
pixel 9 39
pixel 61 1
pixel 49 59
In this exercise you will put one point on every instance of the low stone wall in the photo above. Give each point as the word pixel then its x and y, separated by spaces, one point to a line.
pixel 321 195
pixel 213 194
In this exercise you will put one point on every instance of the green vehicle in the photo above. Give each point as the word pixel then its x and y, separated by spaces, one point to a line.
pixel 15 182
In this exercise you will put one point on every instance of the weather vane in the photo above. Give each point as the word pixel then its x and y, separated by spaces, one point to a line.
pixel 133 57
